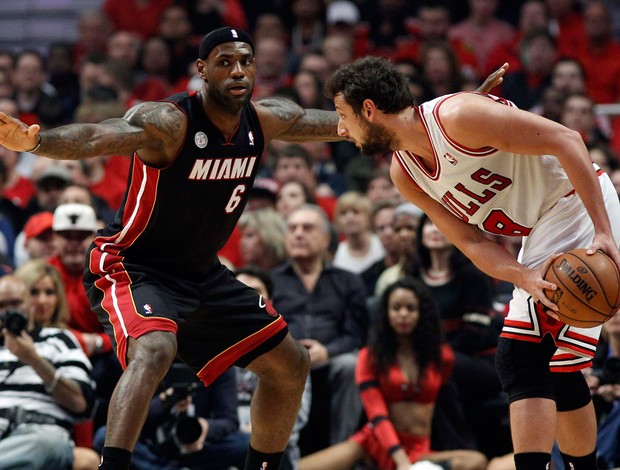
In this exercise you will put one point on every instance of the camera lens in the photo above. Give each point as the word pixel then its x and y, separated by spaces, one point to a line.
pixel 187 430
pixel 14 321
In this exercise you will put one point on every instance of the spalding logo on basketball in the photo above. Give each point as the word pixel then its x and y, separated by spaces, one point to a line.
pixel 588 288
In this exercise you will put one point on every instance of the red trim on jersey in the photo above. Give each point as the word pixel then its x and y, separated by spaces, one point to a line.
pixel 571 365
pixel 571 368
pixel 126 322
pixel 141 198
pixel 418 160
pixel 575 347
pixel 599 172
pixel 481 152
pixel 406 170
pixel 521 337
pixel 518 324
pixel 558 343
pixel 585 339
pixel 216 366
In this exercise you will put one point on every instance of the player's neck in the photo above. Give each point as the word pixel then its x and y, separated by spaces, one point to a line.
pixel 226 120
pixel 410 133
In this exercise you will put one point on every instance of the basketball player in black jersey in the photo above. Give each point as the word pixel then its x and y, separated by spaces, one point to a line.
pixel 153 276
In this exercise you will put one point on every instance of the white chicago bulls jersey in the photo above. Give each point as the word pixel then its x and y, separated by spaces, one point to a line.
pixel 500 192
pixel 514 195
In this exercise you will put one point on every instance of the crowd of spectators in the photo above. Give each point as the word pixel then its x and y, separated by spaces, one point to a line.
pixel 325 231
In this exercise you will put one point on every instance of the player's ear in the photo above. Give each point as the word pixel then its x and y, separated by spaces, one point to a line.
pixel 369 109
pixel 201 67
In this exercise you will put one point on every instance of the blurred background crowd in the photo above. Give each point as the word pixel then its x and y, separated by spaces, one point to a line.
pixel 324 235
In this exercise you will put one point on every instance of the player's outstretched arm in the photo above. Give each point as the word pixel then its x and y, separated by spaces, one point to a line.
pixel 286 120
pixel 154 127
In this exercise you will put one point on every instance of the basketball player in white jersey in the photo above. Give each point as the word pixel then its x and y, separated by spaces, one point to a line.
pixel 475 163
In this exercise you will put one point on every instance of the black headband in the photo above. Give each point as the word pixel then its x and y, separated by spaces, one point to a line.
pixel 220 36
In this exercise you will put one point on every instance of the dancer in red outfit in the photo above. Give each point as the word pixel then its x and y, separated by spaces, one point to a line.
pixel 399 376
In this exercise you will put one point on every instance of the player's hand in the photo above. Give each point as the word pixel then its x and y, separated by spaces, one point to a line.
pixel 493 80
pixel 536 285
pixel 607 245
pixel 15 135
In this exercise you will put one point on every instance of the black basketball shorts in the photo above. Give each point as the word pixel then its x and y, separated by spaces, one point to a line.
pixel 219 322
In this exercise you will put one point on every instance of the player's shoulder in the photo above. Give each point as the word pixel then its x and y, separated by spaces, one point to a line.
pixel 455 102
pixel 459 106
pixel 153 111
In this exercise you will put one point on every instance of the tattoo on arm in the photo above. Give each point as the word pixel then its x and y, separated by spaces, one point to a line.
pixel 315 124
pixel 149 124
pixel 295 124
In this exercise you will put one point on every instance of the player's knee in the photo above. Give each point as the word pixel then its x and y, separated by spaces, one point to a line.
pixel 298 367
pixel 155 350
pixel 302 367
pixel 287 365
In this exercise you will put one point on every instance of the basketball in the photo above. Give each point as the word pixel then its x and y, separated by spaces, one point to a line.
pixel 588 288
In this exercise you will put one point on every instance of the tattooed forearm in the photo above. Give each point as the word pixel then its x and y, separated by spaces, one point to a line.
pixel 152 125
pixel 314 125
pixel 295 124
pixel 77 141
pixel 282 109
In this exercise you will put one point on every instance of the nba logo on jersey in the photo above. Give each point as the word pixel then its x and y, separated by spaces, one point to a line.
pixel 234 34
pixel 450 158
pixel 148 310
pixel 251 137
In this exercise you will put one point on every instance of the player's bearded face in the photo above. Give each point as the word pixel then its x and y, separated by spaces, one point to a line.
pixel 227 101
pixel 377 138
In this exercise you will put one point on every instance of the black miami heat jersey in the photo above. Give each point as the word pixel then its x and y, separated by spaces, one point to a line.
pixel 176 219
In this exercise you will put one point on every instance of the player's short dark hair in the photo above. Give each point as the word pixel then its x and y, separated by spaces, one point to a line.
pixel 371 78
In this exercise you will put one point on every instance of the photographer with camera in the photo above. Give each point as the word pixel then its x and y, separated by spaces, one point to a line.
pixel 45 386
pixel 190 426
pixel 604 382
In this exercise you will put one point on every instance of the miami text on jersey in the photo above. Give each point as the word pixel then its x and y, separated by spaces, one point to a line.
pixel 223 168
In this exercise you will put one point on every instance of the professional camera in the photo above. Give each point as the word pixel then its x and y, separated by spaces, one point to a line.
pixel 184 428
pixel 14 321
pixel 183 382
